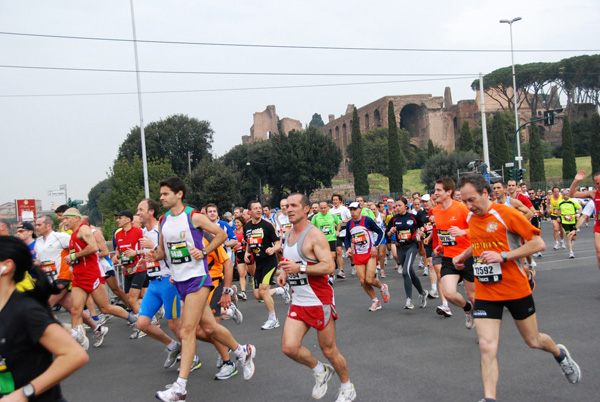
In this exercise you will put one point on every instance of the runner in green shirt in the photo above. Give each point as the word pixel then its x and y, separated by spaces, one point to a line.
pixel 329 224
pixel 365 211
pixel 568 209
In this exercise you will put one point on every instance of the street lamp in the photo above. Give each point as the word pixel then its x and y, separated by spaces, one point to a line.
pixel 512 57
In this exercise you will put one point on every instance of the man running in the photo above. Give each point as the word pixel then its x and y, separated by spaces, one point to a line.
pixel 307 265
pixel 594 195
pixel 569 209
pixel 494 231
pixel 363 249
pixel 87 278
pixel 552 202
pixel 450 217
pixel 181 232
pixel 263 244
pixel 161 292
pixel 327 223
pixel 501 198
pixel 343 214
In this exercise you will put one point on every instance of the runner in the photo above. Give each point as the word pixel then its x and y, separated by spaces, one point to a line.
pixel 262 244
pixel 363 249
pixel 306 265
pixel 408 229
pixel 382 249
pixel 268 215
pixel 329 224
pixel 494 231
pixel 239 251
pixel 87 279
pixel 569 212
pixel 502 198
pixel 594 195
pixel 423 217
pixel 181 232
pixel 161 292
pixel 343 214
pixel 450 219
pixel 552 202
pixel 365 211
pixel 428 229
pixel 25 232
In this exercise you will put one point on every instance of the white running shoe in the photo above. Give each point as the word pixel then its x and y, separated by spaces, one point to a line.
pixel 443 310
pixel 426 271
pixel 99 336
pixel 271 324
pixel 375 306
pixel 82 337
pixel 321 380
pixel 247 362
pixel 571 254
pixel 469 322
pixel 160 313
pixel 556 246
pixel 173 393
pixel 385 293
pixel 346 394
pixel 562 244
pixel 227 371
pixel 353 271
pixel 287 296
pixel 172 356
pixel 409 304
pixel 421 265
pixel 382 274
pixel 433 294
pixel 423 299
pixel 237 316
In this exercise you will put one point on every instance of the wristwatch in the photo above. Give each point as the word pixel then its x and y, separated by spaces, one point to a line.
pixel 504 256
pixel 227 291
pixel 302 268
pixel 204 253
pixel 28 391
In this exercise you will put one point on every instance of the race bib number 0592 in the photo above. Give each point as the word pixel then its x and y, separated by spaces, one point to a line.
pixel 487 273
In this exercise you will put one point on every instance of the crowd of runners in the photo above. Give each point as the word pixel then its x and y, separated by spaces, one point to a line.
pixel 180 266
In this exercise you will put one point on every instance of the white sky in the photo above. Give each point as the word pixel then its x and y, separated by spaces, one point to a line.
pixel 49 141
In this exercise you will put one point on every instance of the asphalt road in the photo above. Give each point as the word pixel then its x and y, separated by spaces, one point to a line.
pixel 393 354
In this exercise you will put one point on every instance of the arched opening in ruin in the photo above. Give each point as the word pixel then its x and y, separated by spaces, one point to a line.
pixel 330 133
pixel 411 117
pixel 344 136
pixel 337 135
pixel 377 118
pixel 367 122
pixel 456 133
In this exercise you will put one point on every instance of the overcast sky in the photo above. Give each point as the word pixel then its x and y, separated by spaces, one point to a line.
pixel 52 140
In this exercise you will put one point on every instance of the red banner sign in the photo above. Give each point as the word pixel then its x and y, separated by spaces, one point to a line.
pixel 25 210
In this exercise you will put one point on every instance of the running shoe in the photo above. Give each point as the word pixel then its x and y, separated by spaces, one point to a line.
pixel 173 393
pixel 375 306
pixel 571 254
pixel 382 274
pixel 341 275
pixel 271 323
pixel 237 316
pixel 423 299
pixel 227 371
pixel 234 297
pixel 346 394
pixel 556 246
pixel 421 265
pixel 469 322
pixel 562 244
pixel 443 310
pixel 99 335
pixel 533 264
pixel 242 295
pixel 155 321
pixel 160 313
pixel 353 271
pixel 321 380
pixel 569 367
pixel 385 293
pixel 287 296
pixel 247 361
pixel 137 334
pixel 397 267
pixel 426 271
pixel 538 255
pixel 409 304
pixel 82 338
pixel 172 356
pixel 195 364
pixel 433 294
pixel 102 318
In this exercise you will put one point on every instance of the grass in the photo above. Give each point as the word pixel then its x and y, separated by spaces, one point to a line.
pixel 553 166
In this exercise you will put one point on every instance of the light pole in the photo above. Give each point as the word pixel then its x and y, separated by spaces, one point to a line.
pixel 512 57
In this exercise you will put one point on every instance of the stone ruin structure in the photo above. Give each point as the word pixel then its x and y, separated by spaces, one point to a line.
pixel 267 123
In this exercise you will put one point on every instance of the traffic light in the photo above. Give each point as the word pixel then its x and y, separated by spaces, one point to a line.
pixel 520 174
pixel 549 118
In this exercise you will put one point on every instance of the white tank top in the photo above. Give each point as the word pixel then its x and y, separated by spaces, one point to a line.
pixel 307 290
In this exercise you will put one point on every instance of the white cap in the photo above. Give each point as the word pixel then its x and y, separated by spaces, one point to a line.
pixel 354 205
pixel 426 197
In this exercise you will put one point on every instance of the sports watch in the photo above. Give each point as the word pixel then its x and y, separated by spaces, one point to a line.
pixel 504 256
pixel 28 391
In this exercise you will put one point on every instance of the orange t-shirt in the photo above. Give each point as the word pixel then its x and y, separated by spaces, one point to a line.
pixel 215 260
pixel 501 229
pixel 455 215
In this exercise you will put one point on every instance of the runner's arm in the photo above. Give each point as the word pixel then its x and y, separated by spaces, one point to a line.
pixel 317 242
pixel 87 236
pixel 202 222
pixel 101 244
pixel 522 208
pixel 530 247
pixel 372 226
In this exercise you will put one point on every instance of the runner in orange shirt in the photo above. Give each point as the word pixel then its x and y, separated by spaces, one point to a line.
pixel 450 219
pixel 496 231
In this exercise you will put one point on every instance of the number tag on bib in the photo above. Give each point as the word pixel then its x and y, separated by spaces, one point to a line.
pixel 297 279
pixel 126 260
pixel 404 235
pixel 446 238
pixel 255 241
pixel 487 273
pixel 179 252
pixel 428 227
pixel 326 229
pixel 152 267
pixel 285 228
pixel 568 217
pixel 49 268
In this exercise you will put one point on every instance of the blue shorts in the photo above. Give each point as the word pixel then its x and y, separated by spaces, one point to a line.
pixel 193 285
pixel 161 292
pixel 383 241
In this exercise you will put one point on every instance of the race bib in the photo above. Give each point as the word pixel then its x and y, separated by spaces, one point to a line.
pixel 326 229
pixel 297 279
pixel 428 227
pixel 179 252
pixel 153 269
pixel 446 238
pixel 404 235
pixel 126 261
pixel 487 273
pixel 255 241
pixel 359 238
pixel 285 228
pixel 49 268
pixel 569 217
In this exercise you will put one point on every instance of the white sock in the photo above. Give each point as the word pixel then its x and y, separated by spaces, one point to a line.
pixel 239 352
pixel 434 287
pixel 319 368
pixel 172 346
pixel 347 385
pixel 272 316
pixel 279 291
pixel 182 382
pixel 445 304
pixel 375 300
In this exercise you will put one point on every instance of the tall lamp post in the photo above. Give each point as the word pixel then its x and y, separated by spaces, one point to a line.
pixel 510 22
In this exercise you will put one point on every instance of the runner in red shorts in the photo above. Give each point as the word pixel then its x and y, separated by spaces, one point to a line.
pixel 86 275
pixel 307 264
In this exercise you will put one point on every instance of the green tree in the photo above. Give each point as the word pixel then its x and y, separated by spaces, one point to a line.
pixel 442 165
pixel 172 138
pixel 595 141
pixel 582 132
pixel 357 159
pixel 126 179
pixel 499 151
pixel 316 121
pixel 569 167
pixel 466 138
pixel 375 145
pixel 408 150
pixel 537 172
pixel 91 208
pixel 430 149
pixel 395 154
pixel 214 182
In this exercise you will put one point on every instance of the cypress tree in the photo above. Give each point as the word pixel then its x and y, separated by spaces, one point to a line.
pixel 569 167
pixel 595 142
pixel 357 159
pixel 466 138
pixel 537 172
pixel 499 152
pixel 395 154
pixel 430 149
